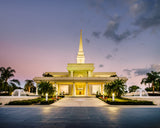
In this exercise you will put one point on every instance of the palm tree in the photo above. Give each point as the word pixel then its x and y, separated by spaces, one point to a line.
pixel 46 87
pixel 6 74
pixel 152 78
pixel 117 87
pixel 28 85
pixel 158 82
pixel 133 88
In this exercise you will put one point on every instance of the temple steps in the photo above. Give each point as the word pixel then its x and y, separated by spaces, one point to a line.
pixel 92 96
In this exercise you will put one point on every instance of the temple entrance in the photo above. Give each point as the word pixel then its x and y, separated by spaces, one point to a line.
pixel 80 89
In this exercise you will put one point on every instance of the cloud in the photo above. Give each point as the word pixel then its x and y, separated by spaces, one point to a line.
pixel 141 15
pixel 143 71
pixel 115 50
pixel 112 31
pixel 127 71
pixel 101 65
pixel 138 8
pixel 109 56
pixel 149 15
pixel 87 40
pixel 96 34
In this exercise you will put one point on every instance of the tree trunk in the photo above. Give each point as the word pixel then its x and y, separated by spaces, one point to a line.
pixel 153 87
pixel 28 89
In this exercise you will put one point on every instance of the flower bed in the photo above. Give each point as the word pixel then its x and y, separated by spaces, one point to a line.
pixel 124 101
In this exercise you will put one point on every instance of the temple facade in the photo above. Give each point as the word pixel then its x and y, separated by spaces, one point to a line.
pixel 80 78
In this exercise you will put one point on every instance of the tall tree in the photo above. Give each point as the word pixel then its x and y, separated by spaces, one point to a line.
pixel 46 87
pixel 133 88
pixel 151 78
pixel 6 75
pixel 28 85
pixel 117 87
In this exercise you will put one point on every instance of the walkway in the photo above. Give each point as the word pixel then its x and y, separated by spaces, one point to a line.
pixel 79 102
pixel 79 117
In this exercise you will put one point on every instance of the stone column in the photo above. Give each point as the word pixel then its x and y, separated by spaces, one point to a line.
pixel 71 73
pixel 56 85
pixel 36 88
pixel 86 89
pixel 90 89
pixel 74 92
pixel 103 91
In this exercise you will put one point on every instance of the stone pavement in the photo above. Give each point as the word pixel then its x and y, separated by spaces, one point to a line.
pixel 79 102
pixel 80 116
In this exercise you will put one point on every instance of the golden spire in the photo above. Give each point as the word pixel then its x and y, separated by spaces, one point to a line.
pixel 80 42
pixel 80 56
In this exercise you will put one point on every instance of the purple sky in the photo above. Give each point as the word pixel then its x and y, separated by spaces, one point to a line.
pixel 120 36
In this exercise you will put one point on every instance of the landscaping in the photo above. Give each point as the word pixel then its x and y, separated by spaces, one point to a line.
pixel 125 101
pixel 38 101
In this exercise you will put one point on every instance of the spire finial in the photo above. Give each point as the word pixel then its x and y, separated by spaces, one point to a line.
pixel 80 56
pixel 80 42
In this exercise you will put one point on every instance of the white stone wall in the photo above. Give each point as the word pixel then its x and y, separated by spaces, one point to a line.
pixel 155 99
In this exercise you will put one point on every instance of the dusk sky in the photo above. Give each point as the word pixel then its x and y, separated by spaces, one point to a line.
pixel 122 36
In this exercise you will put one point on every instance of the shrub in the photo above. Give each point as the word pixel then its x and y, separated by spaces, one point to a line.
pixel 0 103
pixel 149 89
pixel 44 102
pixel 61 96
pixel 123 101
pixel 21 102
pixel 25 102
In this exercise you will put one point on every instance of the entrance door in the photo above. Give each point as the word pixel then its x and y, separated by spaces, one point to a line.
pixel 80 89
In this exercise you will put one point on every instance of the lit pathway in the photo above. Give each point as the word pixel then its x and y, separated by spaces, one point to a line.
pixel 79 102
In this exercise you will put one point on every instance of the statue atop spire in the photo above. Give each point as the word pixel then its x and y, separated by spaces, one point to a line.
pixel 80 56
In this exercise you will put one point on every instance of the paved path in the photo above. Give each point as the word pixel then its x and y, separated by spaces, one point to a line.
pixel 79 117
pixel 79 102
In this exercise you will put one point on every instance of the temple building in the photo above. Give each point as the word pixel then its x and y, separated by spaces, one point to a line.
pixel 80 78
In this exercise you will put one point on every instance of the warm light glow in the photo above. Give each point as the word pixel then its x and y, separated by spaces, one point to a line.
pixel 46 96
pixel 113 97
pixel 46 110
pixel 114 112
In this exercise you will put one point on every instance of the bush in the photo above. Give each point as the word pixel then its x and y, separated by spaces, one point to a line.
pixel 21 102
pixel 149 89
pixel 123 101
pixel 98 94
pixel 0 103
pixel 61 96
pixel 25 102
pixel 130 102
pixel 44 102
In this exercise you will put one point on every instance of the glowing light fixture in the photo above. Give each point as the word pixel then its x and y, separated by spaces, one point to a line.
pixel 46 96
pixel 113 97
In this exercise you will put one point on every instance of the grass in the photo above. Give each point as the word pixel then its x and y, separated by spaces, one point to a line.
pixel 125 101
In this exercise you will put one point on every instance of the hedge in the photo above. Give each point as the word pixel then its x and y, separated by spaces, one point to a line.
pixel 123 101
pixel 25 102
pixel 34 101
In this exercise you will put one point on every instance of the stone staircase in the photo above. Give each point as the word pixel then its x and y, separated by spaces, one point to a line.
pixel 79 96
